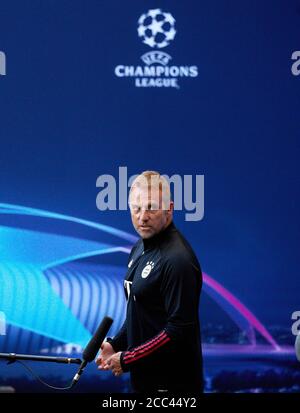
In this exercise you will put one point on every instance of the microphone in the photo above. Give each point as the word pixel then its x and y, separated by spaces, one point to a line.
pixel 93 347
pixel 297 347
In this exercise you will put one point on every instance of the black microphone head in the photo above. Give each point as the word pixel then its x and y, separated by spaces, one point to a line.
pixel 95 342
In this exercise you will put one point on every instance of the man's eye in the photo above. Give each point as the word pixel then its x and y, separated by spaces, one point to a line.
pixel 153 207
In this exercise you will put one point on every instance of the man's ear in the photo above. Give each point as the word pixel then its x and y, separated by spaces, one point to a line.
pixel 171 209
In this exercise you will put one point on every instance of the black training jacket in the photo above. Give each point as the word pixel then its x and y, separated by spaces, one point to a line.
pixel 160 338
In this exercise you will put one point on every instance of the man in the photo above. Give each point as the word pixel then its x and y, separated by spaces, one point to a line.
pixel 159 342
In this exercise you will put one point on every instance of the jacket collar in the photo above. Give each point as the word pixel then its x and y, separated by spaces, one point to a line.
pixel 158 238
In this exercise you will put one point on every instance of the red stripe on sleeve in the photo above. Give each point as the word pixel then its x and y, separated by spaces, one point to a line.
pixel 158 337
pixel 146 349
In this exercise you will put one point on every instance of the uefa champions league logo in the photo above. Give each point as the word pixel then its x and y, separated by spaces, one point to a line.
pixel 156 28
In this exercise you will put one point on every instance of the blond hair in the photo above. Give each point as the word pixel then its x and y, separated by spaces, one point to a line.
pixel 153 180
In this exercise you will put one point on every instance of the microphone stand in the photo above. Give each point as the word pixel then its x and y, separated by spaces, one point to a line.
pixel 12 357
pixel 88 354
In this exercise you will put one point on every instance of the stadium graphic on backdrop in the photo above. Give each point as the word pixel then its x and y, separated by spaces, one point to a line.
pixel 65 284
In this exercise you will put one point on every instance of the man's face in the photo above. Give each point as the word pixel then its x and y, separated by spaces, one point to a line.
pixel 147 215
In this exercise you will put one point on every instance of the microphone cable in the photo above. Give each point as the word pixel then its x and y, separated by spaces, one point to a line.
pixel 88 354
pixel 40 380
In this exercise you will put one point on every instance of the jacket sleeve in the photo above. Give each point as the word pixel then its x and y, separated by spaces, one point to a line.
pixel 180 290
pixel 119 341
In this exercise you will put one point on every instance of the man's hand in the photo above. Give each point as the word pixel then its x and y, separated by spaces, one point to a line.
pixel 114 364
pixel 106 352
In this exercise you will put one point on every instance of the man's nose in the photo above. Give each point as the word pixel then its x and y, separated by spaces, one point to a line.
pixel 144 216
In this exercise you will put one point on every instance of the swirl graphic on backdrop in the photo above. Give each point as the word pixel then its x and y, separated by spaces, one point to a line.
pixel 50 295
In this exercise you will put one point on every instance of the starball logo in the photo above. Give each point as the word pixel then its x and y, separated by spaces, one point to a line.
pixel 296 65
pixel 156 29
pixel 2 64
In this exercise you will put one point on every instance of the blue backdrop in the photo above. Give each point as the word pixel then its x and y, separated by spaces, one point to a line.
pixel 66 118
